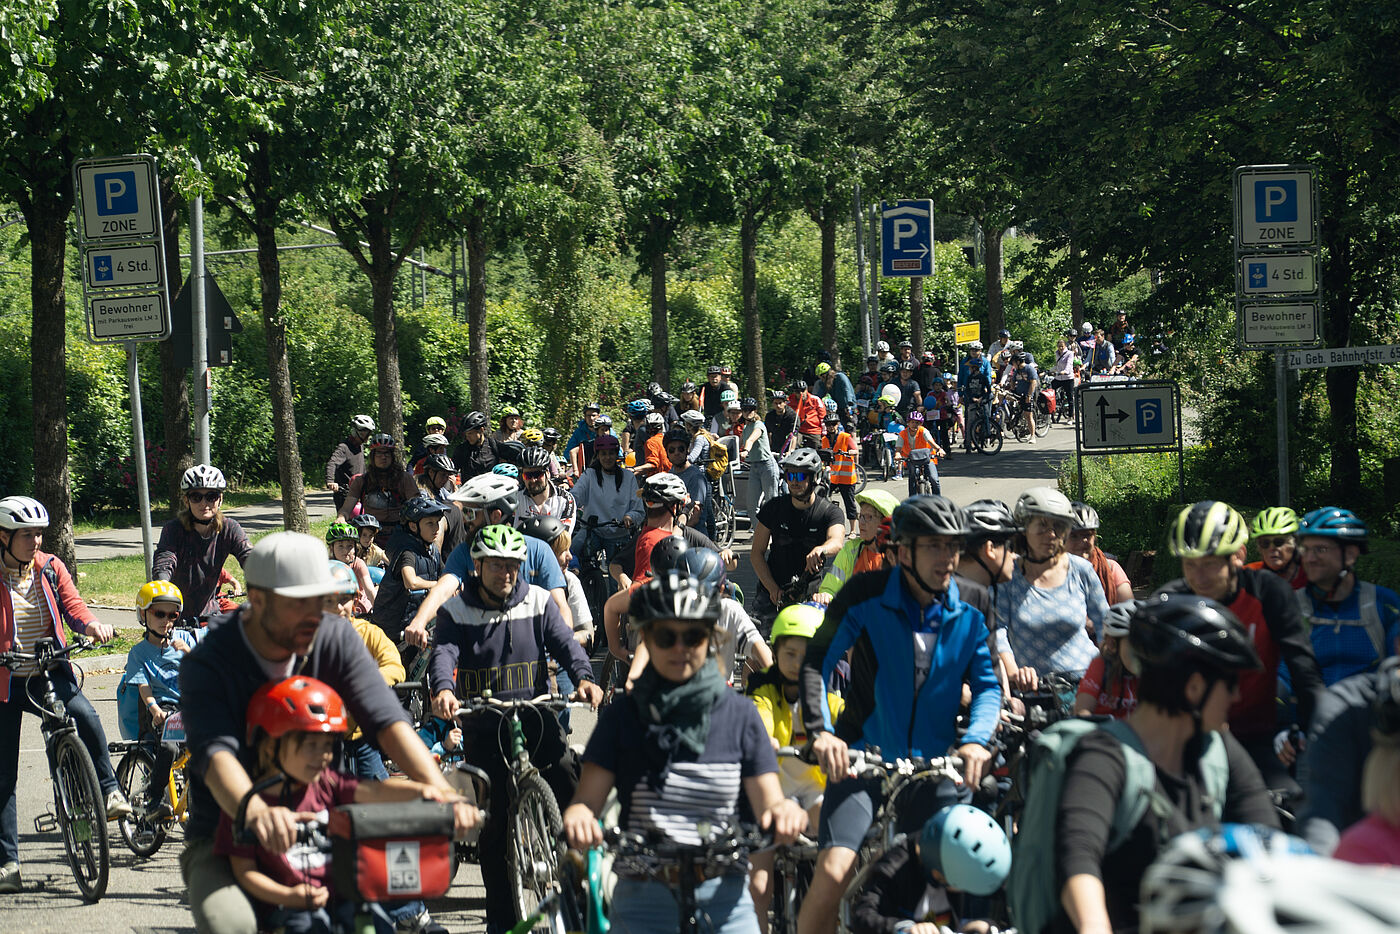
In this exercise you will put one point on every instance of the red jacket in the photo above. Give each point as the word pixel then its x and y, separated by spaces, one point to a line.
pixel 810 411
pixel 61 595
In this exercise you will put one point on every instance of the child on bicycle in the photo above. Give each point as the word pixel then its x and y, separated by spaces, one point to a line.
pixel 296 725
pixel 342 540
pixel 366 550
pixel 361 758
pixel 774 692
pixel 918 885
pixel 1109 686
pixel 920 452
pixel 153 670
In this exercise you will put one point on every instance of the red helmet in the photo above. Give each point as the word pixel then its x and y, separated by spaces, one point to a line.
pixel 298 704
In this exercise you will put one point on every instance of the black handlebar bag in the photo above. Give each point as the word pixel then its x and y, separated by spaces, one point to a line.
pixel 387 852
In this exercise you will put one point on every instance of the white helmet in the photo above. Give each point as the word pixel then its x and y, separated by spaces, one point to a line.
pixel 362 423
pixel 1087 328
pixel 203 477
pixel 485 489
pixel 664 488
pixel 974 345
pixel 1115 621
pixel 883 346
pixel 1043 501
pixel 22 512
pixel 892 393
pixel 434 438
pixel 654 420
pixel 692 418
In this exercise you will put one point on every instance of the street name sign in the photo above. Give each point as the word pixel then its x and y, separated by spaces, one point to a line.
pixel 1277 274
pixel 1344 356
pixel 966 332
pixel 1275 205
pixel 1279 325
pixel 1128 416
pixel 906 238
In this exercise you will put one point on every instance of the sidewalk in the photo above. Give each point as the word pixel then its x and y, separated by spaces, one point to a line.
pixel 255 519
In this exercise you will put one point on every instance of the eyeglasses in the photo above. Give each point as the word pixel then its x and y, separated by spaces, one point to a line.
pixel 470 514
pixel 1268 544
pixel 195 496
pixel 797 476
pixel 1317 548
pixel 532 474
pixel 689 637
pixel 162 614
pixel 676 452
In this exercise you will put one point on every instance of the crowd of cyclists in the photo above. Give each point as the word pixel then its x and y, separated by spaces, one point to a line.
pixel 962 716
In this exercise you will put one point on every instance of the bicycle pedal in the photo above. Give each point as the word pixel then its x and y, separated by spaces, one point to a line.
pixel 46 823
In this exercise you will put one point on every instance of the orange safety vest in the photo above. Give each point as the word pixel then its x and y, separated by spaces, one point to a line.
pixel 843 459
pixel 923 441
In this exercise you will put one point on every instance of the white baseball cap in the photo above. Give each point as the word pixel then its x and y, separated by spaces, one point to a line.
pixel 290 564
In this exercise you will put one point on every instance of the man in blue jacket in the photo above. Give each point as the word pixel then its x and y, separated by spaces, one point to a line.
pixel 915 644
pixel 492 637
pixel 975 383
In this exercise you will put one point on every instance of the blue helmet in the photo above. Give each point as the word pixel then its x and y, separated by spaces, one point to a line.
pixel 968 847
pixel 421 507
pixel 1335 522
pixel 507 470
pixel 639 407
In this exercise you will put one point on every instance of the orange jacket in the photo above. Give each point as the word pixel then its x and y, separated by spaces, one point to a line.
pixel 843 459
pixel 923 441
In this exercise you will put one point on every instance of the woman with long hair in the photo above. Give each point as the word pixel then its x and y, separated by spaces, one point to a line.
pixel 382 489
pixel 195 544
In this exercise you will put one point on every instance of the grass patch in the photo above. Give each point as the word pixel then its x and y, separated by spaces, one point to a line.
pixel 115 581
pixel 102 520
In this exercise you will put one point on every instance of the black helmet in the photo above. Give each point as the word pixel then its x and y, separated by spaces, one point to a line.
pixel 926 515
pixel 474 420
pixel 421 507
pixel 665 398
pixel 803 459
pixel 551 434
pixel 750 404
pixel 1004 333
pixel 534 458
pixel 674 596
pixel 1025 357
pixel 654 388
pixel 1171 629
pixel 364 521
pixel 439 462
pixel 889 366
pixel 688 386
pixel 545 528
pixel 989 519
pixel 703 564
pixel 666 554
pixel 904 344
pixel 831 419
pixel 714 369
pixel 799 385
pixel 676 435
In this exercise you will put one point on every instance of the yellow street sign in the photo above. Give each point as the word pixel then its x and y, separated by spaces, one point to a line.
pixel 967 332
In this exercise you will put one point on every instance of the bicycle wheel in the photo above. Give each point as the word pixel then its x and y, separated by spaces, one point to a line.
pixel 82 815
pixel 724 521
pixel 994 440
pixel 1042 421
pixel 135 774
pixel 886 464
pixel 861 479
pixel 533 855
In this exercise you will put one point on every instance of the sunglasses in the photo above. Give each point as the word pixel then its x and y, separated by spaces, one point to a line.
pixel 195 497
pixel 532 474
pixel 798 476
pixel 470 514
pixel 689 637
pixel 1283 541
pixel 162 614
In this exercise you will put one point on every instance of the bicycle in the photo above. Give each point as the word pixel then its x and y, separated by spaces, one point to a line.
pixel 984 431
pixel 534 823
pixel 143 834
pixel 81 810
pixel 722 505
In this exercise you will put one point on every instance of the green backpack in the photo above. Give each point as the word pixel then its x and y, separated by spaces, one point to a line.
pixel 1032 892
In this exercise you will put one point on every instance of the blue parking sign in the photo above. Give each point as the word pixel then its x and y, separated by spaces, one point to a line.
pixel 906 238
pixel 1149 417
pixel 1276 200
pixel 115 193
pixel 1258 275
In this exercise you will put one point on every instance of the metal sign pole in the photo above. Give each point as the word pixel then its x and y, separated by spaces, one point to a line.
pixel 875 247
pixel 138 456
pixel 198 329
pixel 865 341
pixel 1281 387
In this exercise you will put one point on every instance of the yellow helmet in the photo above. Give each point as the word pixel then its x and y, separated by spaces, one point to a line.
pixel 158 592
pixel 1207 528
pixel 532 436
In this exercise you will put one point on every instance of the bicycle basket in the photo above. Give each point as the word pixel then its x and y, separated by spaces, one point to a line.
pixel 381 852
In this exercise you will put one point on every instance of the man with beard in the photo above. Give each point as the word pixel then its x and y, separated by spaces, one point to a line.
pixel 541 497
pixel 803 530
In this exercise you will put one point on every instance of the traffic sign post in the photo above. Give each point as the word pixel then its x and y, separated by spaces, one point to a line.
pixel 1275 206
pixel 1139 417
pixel 906 238
pixel 966 332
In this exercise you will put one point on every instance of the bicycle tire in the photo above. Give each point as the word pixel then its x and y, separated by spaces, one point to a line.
pixel 724 521
pixel 861 479
pixel 82 816
pixel 134 773
pixel 993 442
pixel 533 855
pixel 1042 422
pixel 886 464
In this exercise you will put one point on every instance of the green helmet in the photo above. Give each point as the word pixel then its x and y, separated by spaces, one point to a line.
pixel 1207 528
pixel 881 501
pixel 1276 520
pixel 341 532
pixel 499 541
pixel 728 395
pixel 800 619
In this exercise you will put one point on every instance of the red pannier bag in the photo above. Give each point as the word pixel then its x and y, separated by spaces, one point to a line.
pixel 387 852
pixel 1047 400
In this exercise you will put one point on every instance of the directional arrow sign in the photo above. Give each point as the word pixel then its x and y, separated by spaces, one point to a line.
pixel 906 238
pixel 1138 416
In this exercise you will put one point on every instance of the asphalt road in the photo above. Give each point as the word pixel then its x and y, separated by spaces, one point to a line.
pixel 146 896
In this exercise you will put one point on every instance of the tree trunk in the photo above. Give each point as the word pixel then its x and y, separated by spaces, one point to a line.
pixel 382 270
pixel 174 386
pixel 1341 380
pixel 660 330
pixel 753 339
pixel 831 213
pixel 916 314
pixel 46 214
pixel 1076 289
pixel 996 316
pixel 477 354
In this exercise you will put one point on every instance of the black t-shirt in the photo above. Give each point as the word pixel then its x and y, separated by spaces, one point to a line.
pixel 779 426
pixel 795 532
pixel 395 605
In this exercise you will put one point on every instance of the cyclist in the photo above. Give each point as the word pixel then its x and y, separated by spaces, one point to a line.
pixel 987 563
pixel 920 884
pixel 540 495
pixel 1062 378
pixel 710 401
pixel 665 497
pixel 809 412
pixel 911 394
pixel 689 400
pixel 435 425
pixel 510 427
pixel 1109 687
pixel 383 488
pixel 195 544
pixel 358 755
pixel 1275 533
pixel 366 550
pixel 295 726
pixel 551 447
pixel 531 438
pixel 348 458
pixel 415 564
pixel 584 434
pixel 842 471
pixel 839 388
pixel 280 631
pixel 1128 357
pixel 1119 331
pixel 1209 538
pixel 477 453
pixel 604 424
pixel 1086 341
pixel 1025 382
pixel 1083 541
pixel 432 443
pixel 489 499
pixel 793 536
pixel 1102 356
pixel 438 478
pixel 1192 652
pixel 1002 343
pixel 492 637
pixel 756 450
pixel 920 453
pixel 679 749
pixel 341 539
pixel 781 422
pixel 699 511
pixel 150 687
pixel 606 492
pixel 975 386
pixel 910 624
pixel 663 402
pixel 1042 610
pixel 692 421
pixel 1376 837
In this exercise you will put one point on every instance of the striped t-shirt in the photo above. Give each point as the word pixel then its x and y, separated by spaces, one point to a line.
pixel 31 611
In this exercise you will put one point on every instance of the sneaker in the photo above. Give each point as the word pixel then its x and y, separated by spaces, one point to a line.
pixel 117 805
pixel 421 923
pixel 9 879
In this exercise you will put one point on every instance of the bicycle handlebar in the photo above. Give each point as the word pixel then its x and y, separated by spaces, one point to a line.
pixel 12 658
pixel 868 762
pixel 481 703
pixel 730 843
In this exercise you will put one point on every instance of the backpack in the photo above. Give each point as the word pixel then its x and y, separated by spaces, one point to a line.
pixel 1370 615
pixel 717 464
pixel 1032 892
